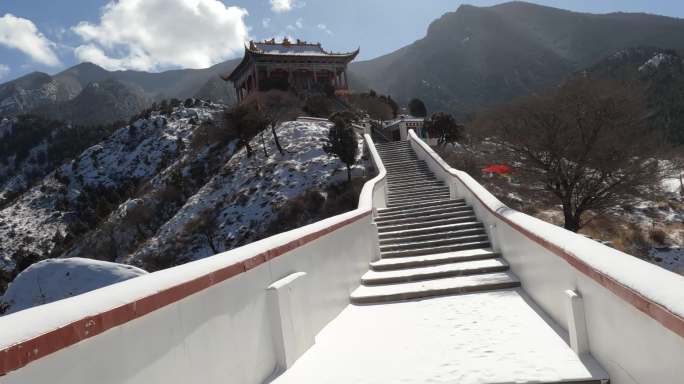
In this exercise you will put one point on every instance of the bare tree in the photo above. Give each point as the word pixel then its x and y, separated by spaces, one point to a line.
pixel 278 106
pixel 444 127
pixel 245 120
pixel 586 143
pixel 204 223
pixel 342 143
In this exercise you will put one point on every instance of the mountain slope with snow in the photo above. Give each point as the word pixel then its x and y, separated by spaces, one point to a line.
pixel 72 201
pixel 166 190
pixel 240 202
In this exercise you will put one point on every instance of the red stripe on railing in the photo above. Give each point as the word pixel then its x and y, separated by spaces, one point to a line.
pixel 659 313
pixel 24 352
pixel 664 316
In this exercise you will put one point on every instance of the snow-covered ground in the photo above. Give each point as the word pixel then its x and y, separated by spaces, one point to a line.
pixel 244 196
pixel 491 337
pixel 56 279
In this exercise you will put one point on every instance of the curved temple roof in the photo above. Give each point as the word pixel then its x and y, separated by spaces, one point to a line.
pixel 301 49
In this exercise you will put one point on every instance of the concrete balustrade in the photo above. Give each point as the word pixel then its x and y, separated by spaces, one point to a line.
pixel 633 311
pixel 208 321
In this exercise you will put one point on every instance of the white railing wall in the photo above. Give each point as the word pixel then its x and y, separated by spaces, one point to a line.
pixel 633 310
pixel 207 321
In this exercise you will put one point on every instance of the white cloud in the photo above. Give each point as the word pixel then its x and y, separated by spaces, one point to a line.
pixel 154 34
pixel 280 6
pixel 299 24
pixel 23 35
pixel 324 28
pixel 266 22
pixel 4 70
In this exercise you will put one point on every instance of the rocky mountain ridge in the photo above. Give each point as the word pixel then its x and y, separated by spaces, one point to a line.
pixel 477 57
pixel 89 94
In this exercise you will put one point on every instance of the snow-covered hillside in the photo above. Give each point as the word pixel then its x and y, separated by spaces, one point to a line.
pixel 77 197
pixel 243 198
pixel 164 191
pixel 56 279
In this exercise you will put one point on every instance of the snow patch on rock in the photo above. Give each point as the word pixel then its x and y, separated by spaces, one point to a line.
pixel 55 279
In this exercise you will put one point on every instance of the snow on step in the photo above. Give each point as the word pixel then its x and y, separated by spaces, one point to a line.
pixel 444 240
pixel 424 205
pixel 426 217
pixel 488 337
pixel 401 232
pixel 417 199
pixel 436 249
pixel 421 289
pixel 414 225
pixel 431 236
pixel 435 259
pixel 422 212
pixel 433 272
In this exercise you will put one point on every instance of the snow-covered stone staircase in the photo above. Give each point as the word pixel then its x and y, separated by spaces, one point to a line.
pixel 430 245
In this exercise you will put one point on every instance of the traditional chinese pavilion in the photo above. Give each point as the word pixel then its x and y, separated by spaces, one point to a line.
pixel 287 65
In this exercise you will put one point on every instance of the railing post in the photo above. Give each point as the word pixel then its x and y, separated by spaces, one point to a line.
pixel 290 322
pixel 577 326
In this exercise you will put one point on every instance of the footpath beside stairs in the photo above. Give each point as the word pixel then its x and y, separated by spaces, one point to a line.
pixel 430 245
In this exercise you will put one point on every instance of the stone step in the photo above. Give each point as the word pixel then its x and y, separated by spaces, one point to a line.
pixel 393 146
pixel 393 202
pixel 457 207
pixel 403 186
pixel 433 236
pixel 475 267
pixel 422 205
pixel 390 143
pixel 396 168
pixel 436 249
pixel 395 151
pixel 399 161
pixel 412 195
pixel 408 172
pixel 437 259
pixel 408 245
pixel 407 169
pixel 391 183
pixel 421 218
pixel 396 155
pixel 399 155
pixel 430 288
pixel 404 167
pixel 399 231
pixel 415 187
pixel 418 191
pixel 384 228
pixel 412 176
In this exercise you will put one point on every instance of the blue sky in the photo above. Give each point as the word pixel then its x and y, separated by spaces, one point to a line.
pixel 154 35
